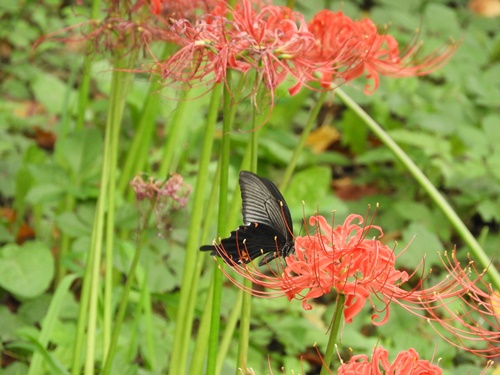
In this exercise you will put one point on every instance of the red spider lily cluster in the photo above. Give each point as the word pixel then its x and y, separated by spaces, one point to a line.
pixel 276 43
pixel 406 362
pixel 271 41
pixel 133 25
pixel 345 260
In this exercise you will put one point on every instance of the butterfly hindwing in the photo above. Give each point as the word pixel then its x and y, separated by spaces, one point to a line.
pixel 247 243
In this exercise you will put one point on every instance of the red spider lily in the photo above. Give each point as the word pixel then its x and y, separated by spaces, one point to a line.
pixel 129 26
pixel 343 260
pixel 361 49
pixel 276 43
pixel 474 321
pixel 272 41
pixel 406 363
pixel 339 259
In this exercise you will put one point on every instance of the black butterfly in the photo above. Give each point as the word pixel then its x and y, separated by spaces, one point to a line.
pixel 268 225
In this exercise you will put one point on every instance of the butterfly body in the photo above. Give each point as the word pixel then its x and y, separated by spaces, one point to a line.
pixel 267 228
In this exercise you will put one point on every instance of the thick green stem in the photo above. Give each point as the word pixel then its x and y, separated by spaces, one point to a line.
pixel 337 318
pixel 303 138
pixel 435 195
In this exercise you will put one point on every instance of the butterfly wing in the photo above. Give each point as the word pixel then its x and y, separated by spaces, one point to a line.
pixel 247 243
pixel 263 203
pixel 267 228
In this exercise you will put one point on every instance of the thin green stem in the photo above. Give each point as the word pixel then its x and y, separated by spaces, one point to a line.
pixel 176 130
pixel 138 151
pixel 203 334
pixel 228 333
pixel 121 81
pixel 69 201
pixel 246 306
pixel 229 111
pixel 126 292
pixel 190 274
pixel 434 194
pixel 337 318
pixel 198 362
pixel 88 301
pixel 302 141
pixel 84 86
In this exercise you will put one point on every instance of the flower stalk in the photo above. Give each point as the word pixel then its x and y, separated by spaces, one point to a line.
pixel 434 194
pixel 334 330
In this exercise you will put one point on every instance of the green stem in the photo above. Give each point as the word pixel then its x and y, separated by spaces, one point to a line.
pixel 201 346
pixel 198 362
pixel 84 86
pixel 229 111
pixel 138 151
pixel 337 318
pixel 229 333
pixel 121 82
pixel 190 275
pixel 126 292
pixel 246 306
pixel 435 195
pixel 176 130
pixel 302 141
pixel 89 293
pixel 69 201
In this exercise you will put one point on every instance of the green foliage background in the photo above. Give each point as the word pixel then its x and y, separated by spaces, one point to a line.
pixel 448 122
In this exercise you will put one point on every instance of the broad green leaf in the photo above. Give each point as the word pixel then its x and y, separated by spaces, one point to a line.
pixel 311 186
pixel 47 194
pixel 16 368
pixel 50 320
pixel 72 225
pixel 10 323
pixel 50 91
pixel 26 271
pixel 82 152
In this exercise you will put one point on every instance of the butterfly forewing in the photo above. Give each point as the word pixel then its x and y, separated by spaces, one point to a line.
pixel 263 203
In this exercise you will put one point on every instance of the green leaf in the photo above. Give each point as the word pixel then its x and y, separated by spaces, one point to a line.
pixel 26 271
pixel 48 193
pixel 72 225
pixel 10 323
pixel 312 186
pixel 82 152
pixel 51 92
pixel 420 243
pixel 50 320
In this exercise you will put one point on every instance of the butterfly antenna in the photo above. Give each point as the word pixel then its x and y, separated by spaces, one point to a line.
pixel 284 219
